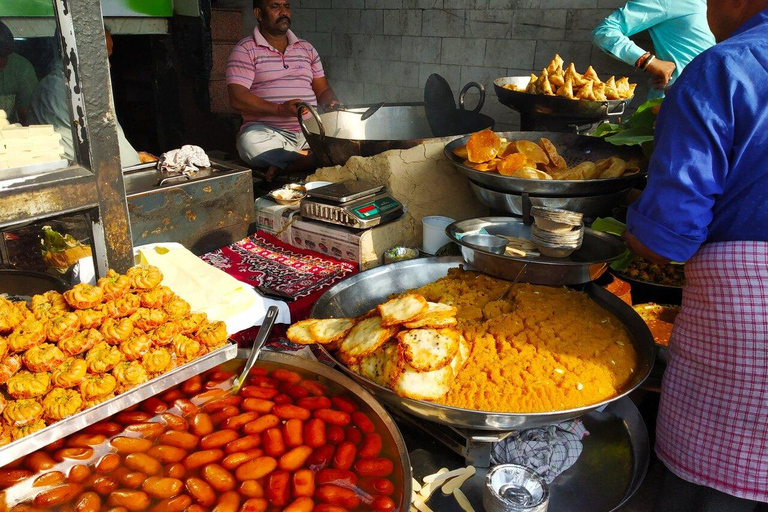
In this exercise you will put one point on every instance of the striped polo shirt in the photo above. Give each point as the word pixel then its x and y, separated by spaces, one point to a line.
pixel 274 76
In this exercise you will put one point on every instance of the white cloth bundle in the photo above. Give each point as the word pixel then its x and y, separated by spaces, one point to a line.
pixel 187 159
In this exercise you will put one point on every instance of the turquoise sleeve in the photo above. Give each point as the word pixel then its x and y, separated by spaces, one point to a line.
pixel 612 35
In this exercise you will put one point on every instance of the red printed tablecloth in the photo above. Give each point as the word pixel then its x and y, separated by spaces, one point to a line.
pixel 263 260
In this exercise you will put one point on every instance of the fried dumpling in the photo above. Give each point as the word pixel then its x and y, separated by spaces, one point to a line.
pixel 576 79
pixel 543 86
pixel 566 91
pixel 591 75
pixel 599 91
pixel 610 89
pixel 556 65
pixel 586 92
pixel 531 88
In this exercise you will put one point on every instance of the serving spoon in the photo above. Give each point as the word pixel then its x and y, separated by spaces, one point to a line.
pixel 258 344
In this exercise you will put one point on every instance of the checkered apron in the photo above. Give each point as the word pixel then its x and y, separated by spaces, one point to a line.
pixel 712 426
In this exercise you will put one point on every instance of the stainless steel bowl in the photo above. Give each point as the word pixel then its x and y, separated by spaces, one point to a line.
pixel 588 263
pixel 490 243
pixel 362 292
pixel 573 148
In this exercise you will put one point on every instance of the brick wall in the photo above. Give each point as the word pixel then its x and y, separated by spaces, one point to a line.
pixel 384 50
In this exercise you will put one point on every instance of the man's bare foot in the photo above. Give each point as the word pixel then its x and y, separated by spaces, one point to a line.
pixel 271 173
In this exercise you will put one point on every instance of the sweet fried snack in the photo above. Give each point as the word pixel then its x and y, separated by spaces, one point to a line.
pixel 129 375
pixel 528 160
pixel 383 366
pixel 90 318
pixel 114 285
pixel 483 146
pixel 136 347
pixel 461 152
pixel 43 358
pixel 61 403
pixel 84 296
pixel 103 357
pixel 186 348
pixel 47 305
pixel 212 334
pixel 70 373
pixel 427 350
pixel 3 347
pixel 22 412
pixel 190 323
pixel 331 329
pixel 62 326
pixel 144 277
pixel 364 338
pixel 406 308
pixel 423 385
pixel 26 335
pixel 125 305
pixel 156 297
pixel 157 361
pixel 81 342
pixel 9 366
pixel 300 332
pixel 178 308
pixel 116 331
pixel 10 316
pixel 25 430
pixel 512 163
pixel 147 319
pixel 568 83
pixel 90 402
pixel 28 385
pixel 164 334
pixel 100 385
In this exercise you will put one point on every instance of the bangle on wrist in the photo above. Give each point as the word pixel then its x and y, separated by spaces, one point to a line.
pixel 647 62
pixel 641 60
pixel 279 109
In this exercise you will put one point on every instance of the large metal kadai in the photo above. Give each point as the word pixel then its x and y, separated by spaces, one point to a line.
pixel 358 294
pixel 338 135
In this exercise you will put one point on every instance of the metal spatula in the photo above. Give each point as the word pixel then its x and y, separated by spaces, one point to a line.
pixel 261 338
pixel 517 278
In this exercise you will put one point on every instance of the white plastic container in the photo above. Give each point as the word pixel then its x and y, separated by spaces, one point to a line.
pixel 433 236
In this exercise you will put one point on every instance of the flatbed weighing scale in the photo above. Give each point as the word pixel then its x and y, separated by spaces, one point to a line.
pixel 354 204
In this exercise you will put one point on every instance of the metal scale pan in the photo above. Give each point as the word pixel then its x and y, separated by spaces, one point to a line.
pixel 358 294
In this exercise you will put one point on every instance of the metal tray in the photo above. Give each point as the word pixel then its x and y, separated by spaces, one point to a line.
pixel 555 105
pixel 360 293
pixel 644 291
pixel 606 475
pixel 573 148
pixel 586 264
pixel 590 206
pixel 82 419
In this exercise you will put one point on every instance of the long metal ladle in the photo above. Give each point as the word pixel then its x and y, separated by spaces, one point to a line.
pixel 517 278
pixel 261 338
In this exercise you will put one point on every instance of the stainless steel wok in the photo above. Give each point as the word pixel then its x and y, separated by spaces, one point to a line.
pixel 524 102
pixel 573 148
pixel 338 135
pixel 358 294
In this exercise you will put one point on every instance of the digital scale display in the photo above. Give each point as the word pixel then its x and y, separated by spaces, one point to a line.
pixel 378 206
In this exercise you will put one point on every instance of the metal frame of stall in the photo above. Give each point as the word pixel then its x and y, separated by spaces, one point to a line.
pixel 94 187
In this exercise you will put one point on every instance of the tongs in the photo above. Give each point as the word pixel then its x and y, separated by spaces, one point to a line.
pixel 261 338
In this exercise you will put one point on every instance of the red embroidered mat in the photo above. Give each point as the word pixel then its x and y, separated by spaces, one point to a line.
pixel 263 260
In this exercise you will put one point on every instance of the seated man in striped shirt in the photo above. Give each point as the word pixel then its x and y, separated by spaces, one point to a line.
pixel 268 75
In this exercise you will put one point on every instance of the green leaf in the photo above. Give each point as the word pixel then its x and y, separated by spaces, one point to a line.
pixel 606 129
pixel 609 225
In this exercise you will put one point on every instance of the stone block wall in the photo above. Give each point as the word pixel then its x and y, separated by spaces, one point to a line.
pixel 384 50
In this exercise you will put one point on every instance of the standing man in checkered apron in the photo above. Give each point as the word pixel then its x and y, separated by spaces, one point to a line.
pixel 707 203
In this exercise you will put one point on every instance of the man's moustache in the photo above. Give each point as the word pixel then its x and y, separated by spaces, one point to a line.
pixel 284 18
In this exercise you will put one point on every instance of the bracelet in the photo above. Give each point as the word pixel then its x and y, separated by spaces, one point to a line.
pixel 647 62
pixel 641 60
pixel 279 109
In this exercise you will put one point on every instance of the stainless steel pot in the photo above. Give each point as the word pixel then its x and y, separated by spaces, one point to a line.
pixel 573 148
pixel 358 294
pixel 584 110
pixel 22 284
pixel 338 135
pixel 590 206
